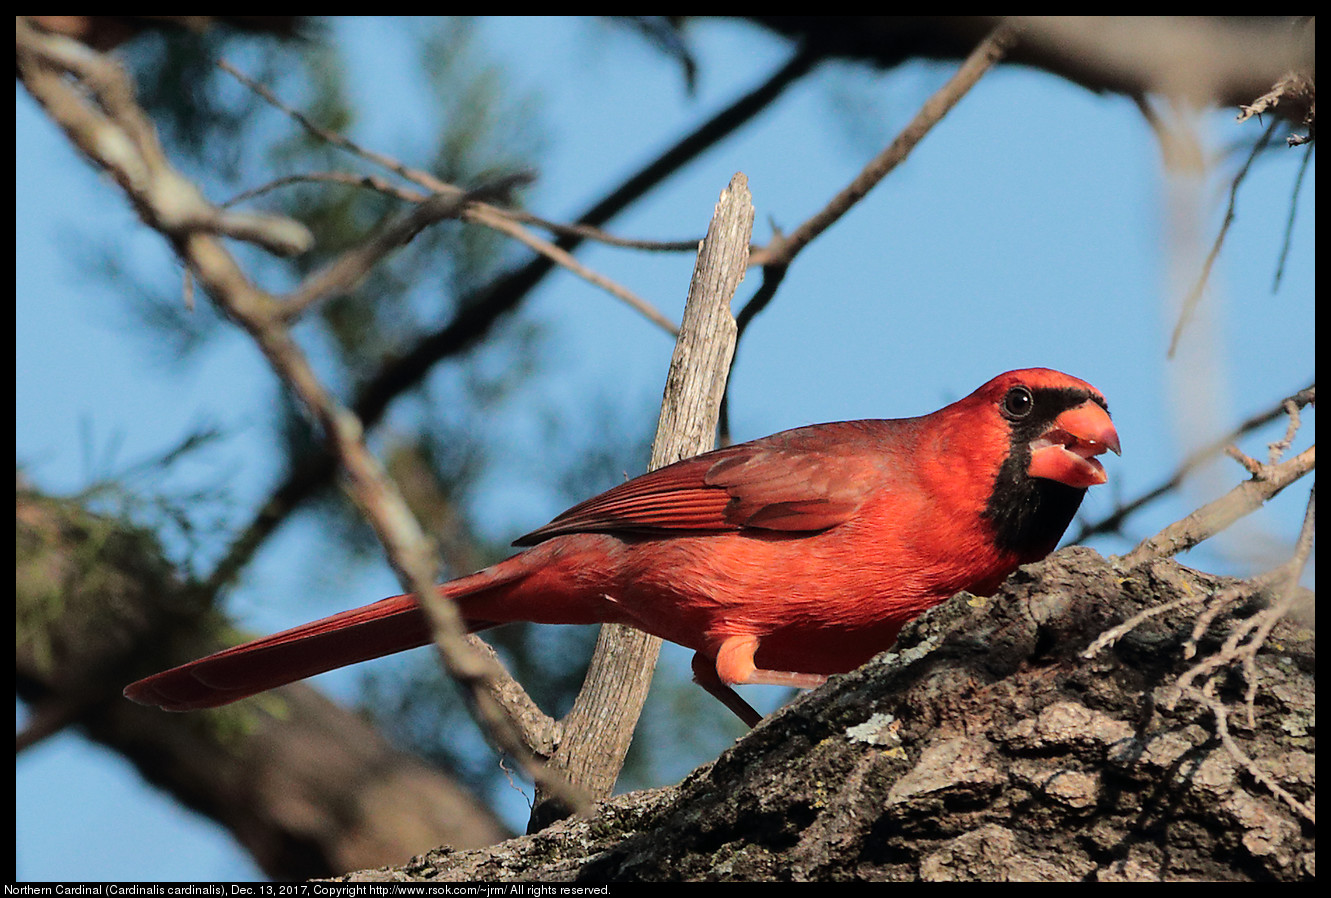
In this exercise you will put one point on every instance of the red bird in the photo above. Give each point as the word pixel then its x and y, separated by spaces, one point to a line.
pixel 778 561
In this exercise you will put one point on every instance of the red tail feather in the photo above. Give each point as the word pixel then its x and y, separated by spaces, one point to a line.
pixel 392 625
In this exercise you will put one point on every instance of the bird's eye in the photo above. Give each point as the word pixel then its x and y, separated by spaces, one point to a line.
pixel 1018 403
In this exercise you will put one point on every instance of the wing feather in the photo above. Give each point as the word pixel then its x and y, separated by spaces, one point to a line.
pixel 800 481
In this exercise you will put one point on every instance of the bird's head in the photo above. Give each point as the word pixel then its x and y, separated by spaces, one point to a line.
pixel 1049 428
pixel 1056 424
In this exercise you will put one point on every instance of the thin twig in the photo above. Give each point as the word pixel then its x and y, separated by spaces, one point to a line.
pixel 587 232
pixel 142 170
pixel 1288 239
pixel 496 220
pixel 1114 522
pixel 406 194
pixel 482 309
pixel 330 137
pixel 328 281
pixel 981 60
pixel 351 179
pixel 1217 515
pixel 1220 714
pixel 1195 294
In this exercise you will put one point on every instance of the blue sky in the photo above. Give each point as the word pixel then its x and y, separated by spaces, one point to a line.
pixel 1035 226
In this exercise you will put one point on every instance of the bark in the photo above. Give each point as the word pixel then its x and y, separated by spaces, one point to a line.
pixel 308 787
pixel 1215 60
pixel 984 747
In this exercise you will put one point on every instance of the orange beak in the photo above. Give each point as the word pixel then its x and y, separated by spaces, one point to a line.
pixel 1067 451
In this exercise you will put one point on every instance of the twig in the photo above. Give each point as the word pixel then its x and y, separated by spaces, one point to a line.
pixel 1288 239
pixel 333 138
pixel 351 179
pixel 1114 522
pixel 144 173
pixel 496 220
pixel 587 232
pixel 386 187
pixel 458 204
pixel 348 269
pixel 1195 294
pixel 776 257
pixel 1220 714
pixel 116 129
pixel 1215 516
pixel 480 310
pixel 981 60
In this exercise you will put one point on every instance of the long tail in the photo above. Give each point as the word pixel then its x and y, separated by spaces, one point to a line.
pixel 383 628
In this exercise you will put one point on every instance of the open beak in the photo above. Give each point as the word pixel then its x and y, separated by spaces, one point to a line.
pixel 1067 451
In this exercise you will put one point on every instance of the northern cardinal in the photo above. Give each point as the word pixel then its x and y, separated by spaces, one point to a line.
pixel 777 561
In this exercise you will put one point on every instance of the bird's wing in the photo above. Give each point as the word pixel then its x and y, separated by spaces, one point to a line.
pixel 754 485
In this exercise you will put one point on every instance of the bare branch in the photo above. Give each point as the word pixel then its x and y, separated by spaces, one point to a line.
pixel 482 309
pixel 587 232
pixel 448 201
pixel 1114 522
pixel 599 728
pixel 495 219
pixel 1206 60
pixel 1288 239
pixel 980 61
pixel 167 203
pixel 112 127
pixel 1195 294
pixel 1215 516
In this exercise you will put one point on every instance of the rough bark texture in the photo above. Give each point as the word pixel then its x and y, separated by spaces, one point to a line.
pixel 985 747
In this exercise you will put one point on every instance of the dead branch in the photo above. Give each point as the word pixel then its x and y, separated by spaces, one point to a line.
pixel 985 56
pixel 599 728
pixel 481 310
pixel 1215 516
pixel 97 111
pixel 447 201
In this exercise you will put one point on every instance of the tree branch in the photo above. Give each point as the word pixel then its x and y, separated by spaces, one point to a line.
pixel 480 311
pixel 170 204
pixel 98 605
pixel 599 728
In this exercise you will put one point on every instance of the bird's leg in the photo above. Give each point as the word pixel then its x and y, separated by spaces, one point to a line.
pixel 734 666
pixel 704 674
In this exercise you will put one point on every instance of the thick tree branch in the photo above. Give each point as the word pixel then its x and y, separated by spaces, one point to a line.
pixel 983 747
pixel 97 606
pixel 1215 60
